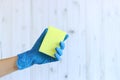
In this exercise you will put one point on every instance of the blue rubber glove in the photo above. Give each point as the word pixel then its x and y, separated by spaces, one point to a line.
pixel 33 56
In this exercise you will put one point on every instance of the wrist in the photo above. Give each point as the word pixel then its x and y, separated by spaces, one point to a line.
pixel 24 60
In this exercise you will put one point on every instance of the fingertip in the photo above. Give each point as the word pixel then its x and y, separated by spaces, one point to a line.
pixel 66 37
pixel 62 45
pixel 46 29
pixel 57 56
pixel 59 51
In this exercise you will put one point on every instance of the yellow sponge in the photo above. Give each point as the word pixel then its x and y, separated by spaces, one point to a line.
pixel 51 40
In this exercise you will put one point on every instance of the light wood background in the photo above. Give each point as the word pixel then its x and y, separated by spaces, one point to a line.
pixel 92 52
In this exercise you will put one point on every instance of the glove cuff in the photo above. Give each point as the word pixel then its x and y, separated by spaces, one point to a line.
pixel 24 60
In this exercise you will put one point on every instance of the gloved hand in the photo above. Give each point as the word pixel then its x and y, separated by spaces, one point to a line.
pixel 33 56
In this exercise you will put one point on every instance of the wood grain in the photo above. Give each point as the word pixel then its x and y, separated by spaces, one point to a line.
pixel 92 50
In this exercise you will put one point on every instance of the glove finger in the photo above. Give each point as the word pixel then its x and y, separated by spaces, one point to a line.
pixel 62 45
pixel 59 51
pixel 66 37
pixel 57 56
pixel 40 39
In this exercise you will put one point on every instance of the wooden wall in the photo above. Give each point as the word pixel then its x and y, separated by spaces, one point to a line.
pixel 92 52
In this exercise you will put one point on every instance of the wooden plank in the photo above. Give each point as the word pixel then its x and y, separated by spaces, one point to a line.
pixel 6 21
pixel 81 5
pixel 93 26
pixel 0 31
pixel 52 20
pixel 75 46
pixel 111 39
pixel 101 44
pixel 39 23
pixel 0 42
pixel 62 23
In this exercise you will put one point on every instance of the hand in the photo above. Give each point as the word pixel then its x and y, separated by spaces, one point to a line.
pixel 33 56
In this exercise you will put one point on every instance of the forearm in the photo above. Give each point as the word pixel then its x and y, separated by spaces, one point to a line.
pixel 8 65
